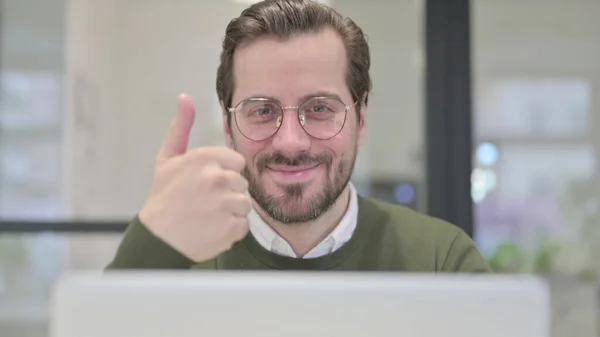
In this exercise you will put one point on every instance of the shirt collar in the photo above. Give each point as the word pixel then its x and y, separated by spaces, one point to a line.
pixel 273 242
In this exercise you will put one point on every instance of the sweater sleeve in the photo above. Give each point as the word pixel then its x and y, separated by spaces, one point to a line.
pixel 464 257
pixel 141 249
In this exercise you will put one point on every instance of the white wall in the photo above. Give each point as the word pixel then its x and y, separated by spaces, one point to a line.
pixel 133 59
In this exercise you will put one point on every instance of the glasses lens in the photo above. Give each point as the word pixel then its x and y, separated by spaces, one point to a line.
pixel 323 117
pixel 258 119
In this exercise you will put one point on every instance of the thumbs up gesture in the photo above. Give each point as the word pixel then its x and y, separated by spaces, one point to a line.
pixel 197 203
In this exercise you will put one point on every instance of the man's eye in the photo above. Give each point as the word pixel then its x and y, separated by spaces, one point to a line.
pixel 319 108
pixel 263 111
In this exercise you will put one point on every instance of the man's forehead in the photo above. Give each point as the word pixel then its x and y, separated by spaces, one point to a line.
pixel 302 64
pixel 326 35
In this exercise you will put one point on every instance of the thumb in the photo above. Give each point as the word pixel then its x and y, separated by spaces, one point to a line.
pixel 178 134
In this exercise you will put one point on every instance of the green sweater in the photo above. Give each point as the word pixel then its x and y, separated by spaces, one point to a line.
pixel 387 237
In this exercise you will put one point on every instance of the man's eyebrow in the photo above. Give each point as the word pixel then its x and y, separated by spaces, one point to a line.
pixel 302 99
pixel 327 94
pixel 259 96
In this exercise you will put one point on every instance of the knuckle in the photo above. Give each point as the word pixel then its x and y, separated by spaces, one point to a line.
pixel 242 165
pixel 232 230
pixel 239 160
pixel 247 204
pixel 218 178
pixel 245 183
pixel 213 177
pixel 221 204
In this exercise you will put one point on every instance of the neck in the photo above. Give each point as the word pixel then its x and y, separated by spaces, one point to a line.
pixel 303 237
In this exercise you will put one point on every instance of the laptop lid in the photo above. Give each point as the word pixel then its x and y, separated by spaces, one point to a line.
pixel 275 304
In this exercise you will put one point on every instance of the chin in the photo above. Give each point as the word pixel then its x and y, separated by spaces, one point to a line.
pixel 295 212
pixel 295 202
pixel 292 204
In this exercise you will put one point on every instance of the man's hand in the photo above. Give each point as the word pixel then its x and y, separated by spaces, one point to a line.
pixel 197 202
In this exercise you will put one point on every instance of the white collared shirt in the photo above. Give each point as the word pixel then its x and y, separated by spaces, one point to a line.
pixel 273 242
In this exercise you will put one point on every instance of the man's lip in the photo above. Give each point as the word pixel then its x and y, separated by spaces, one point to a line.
pixel 290 168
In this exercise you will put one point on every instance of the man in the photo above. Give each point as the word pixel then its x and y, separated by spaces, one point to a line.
pixel 294 85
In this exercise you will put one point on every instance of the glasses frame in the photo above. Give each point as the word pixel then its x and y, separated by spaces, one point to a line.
pixel 291 107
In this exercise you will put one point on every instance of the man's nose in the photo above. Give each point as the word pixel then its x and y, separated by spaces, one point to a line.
pixel 291 137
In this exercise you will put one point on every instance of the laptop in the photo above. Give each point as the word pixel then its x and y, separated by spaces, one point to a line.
pixel 298 304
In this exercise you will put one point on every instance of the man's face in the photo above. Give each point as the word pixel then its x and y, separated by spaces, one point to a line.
pixel 293 176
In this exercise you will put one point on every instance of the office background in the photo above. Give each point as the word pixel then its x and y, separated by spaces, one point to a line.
pixel 484 112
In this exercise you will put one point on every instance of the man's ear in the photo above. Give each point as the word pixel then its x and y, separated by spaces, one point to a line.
pixel 226 126
pixel 362 120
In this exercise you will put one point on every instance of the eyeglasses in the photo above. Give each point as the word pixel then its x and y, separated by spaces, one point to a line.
pixel 320 117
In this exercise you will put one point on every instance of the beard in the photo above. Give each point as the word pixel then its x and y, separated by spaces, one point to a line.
pixel 293 206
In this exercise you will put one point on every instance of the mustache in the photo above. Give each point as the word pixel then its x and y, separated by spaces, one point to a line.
pixel 301 159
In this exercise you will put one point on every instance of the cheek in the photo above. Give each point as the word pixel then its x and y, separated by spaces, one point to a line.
pixel 248 149
pixel 344 143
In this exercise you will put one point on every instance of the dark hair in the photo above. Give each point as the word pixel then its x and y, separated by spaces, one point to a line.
pixel 284 19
